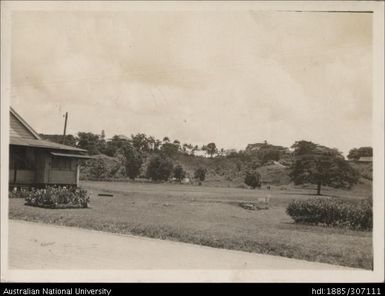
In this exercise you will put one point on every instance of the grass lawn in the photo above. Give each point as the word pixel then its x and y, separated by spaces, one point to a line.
pixel 211 216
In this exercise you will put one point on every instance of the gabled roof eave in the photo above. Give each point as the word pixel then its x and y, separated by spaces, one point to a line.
pixel 26 125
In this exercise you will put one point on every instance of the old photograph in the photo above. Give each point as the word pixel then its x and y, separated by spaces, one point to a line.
pixel 192 141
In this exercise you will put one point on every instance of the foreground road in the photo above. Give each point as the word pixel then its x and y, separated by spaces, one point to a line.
pixel 41 246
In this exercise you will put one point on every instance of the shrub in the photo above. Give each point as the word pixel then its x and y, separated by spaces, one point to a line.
pixel 58 197
pixel 332 212
pixel 98 168
pixel 200 174
pixel 253 179
pixel 101 167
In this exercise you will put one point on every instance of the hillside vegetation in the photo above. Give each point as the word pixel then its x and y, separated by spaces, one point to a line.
pixel 222 172
pixel 121 157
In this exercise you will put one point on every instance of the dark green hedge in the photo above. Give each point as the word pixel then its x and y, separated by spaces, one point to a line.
pixel 356 215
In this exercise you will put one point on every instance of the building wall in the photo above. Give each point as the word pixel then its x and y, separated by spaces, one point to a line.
pixel 62 177
pixel 42 163
pixel 39 167
pixel 22 165
pixel 62 170
pixel 22 176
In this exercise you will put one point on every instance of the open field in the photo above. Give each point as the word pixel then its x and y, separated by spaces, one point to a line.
pixel 211 216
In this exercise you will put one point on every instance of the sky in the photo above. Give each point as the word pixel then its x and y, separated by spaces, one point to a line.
pixel 229 77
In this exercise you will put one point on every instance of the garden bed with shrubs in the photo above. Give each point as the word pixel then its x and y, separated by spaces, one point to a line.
pixel 356 215
pixel 54 197
pixel 18 192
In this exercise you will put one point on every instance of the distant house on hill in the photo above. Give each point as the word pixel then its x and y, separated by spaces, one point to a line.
pixel 123 137
pixel 201 153
pixel 259 146
pixel 255 147
pixel 37 162
pixel 365 159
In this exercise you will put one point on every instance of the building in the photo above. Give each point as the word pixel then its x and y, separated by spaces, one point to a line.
pixel 36 162
pixel 365 159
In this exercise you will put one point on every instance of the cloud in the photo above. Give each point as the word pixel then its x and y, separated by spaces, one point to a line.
pixel 232 77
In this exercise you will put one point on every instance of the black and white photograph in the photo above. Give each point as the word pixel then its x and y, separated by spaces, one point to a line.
pixel 192 141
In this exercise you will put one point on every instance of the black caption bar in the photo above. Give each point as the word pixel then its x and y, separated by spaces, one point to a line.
pixel 112 289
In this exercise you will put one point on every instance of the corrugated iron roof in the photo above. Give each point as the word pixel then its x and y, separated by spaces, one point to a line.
pixel 25 124
pixel 71 155
pixel 41 144
pixel 366 158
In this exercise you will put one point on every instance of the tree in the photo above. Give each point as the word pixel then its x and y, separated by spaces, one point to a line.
pixel 204 148
pixel 356 153
pixel 177 144
pixel 188 149
pixel 132 161
pixel 322 166
pixel 268 154
pixel 153 143
pixel 101 144
pixel 253 179
pixel 141 142
pixel 200 174
pixel 254 164
pixel 238 165
pixel 159 168
pixel 157 145
pixel 303 147
pixel 115 144
pixel 211 149
pixel 185 148
pixel 179 173
pixel 169 149
pixel 89 142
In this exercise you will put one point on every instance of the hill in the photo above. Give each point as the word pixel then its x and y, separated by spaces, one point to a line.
pixel 224 168
pixel 221 171
pixel 365 169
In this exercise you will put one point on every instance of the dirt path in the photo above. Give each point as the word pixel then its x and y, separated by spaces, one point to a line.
pixel 41 246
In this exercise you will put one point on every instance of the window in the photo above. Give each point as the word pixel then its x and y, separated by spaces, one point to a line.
pixel 61 163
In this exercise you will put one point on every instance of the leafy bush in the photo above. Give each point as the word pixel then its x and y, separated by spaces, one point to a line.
pixel 332 212
pixel 179 173
pixel 159 169
pixel 200 174
pixel 253 179
pixel 58 197
pixel 98 168
pixel 101 167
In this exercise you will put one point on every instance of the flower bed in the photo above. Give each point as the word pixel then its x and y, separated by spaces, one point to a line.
pixel 58 197
pixel 18 193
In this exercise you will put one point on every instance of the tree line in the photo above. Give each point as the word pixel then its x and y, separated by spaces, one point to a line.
pixel 308 162
pixel 98 144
